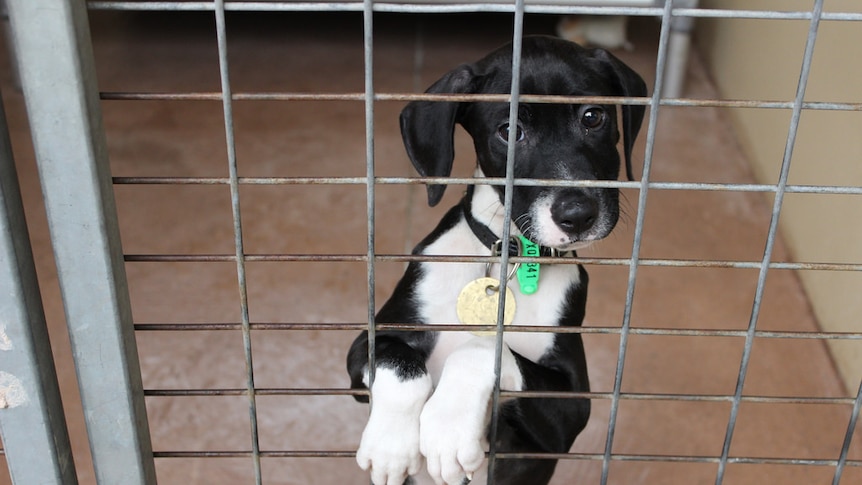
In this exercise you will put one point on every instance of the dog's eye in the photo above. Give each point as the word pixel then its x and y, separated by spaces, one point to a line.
pixel 593 117
pixel 503 133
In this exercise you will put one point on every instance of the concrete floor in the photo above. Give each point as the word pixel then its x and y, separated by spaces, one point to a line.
pixel 317 53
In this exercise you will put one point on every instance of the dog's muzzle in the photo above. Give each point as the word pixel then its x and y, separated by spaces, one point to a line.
pixel 571 219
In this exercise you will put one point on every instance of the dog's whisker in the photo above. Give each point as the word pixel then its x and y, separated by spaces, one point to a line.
pixel 625 210
pixel 527 227
pixel 528 232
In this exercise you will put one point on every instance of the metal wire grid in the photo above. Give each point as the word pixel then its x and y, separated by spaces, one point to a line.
pixel 370 97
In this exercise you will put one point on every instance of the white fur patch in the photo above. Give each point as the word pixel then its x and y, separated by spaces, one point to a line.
pixel 546 233
pixel 454 420
pixel 441 283
pixel 487 209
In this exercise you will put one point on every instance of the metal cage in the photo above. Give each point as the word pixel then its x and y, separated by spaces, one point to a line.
pixel 54 53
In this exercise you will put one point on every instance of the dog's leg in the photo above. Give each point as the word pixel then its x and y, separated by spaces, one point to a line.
pixel 389 448
pixel 454 421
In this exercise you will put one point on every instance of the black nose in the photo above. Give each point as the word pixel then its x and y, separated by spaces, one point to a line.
pixel 575 212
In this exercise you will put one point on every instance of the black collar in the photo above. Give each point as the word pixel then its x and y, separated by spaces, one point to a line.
pixel 490 240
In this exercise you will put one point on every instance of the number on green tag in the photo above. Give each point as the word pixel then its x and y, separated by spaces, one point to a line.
pixel 528 273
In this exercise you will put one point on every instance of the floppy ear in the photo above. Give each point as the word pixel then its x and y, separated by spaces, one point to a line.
pixel 428 129
pixel 629 84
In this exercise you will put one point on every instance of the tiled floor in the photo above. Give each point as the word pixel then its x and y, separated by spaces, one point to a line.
pixel 322 53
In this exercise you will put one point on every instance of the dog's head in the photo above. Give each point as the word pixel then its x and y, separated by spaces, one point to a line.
pixel 554 141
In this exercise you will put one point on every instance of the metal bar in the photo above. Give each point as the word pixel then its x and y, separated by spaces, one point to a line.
pixel 707 186
pixel 765 14
pixel 32 422
pixel 848 437
pixel 510 394
pixel 639 225
pixel 407 258
pixel 368 63
pixel 596 330
pixel 545 7
pixel 59 82
pixel 224 72
pixel 509 186
pixel 593 329
pixel 692 186
pixel 357 6
pixel 260 392
pixel 771 235
pixel 747 460
pixel 525 98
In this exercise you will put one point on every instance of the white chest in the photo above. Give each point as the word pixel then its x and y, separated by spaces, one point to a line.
pixel 441 284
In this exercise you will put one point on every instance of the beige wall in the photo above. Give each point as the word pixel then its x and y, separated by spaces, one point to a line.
pixel 761 59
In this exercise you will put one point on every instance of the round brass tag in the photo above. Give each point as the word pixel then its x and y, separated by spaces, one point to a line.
pixel 478 301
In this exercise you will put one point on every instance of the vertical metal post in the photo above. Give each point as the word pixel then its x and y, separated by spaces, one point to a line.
pixel 848 437
pixel 31 413
pixel 678 48
pixel 517 41
pixel 55 56
pixel 661 62
pixel 370 190
pixel 771 236
pixel 239 251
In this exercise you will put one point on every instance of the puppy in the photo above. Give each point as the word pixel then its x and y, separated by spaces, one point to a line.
pixel 432 390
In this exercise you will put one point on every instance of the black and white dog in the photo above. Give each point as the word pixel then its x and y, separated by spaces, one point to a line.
pixel 432 390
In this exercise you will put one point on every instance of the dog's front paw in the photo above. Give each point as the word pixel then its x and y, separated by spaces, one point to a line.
pixel 389 448
pixel 452 439
pixel 390 452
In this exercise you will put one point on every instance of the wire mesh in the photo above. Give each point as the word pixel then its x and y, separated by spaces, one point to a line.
pixel 644 187
pixel 371 258
pixel 770 243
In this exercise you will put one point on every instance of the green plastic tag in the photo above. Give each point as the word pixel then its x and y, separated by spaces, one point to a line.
pixel 528 273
